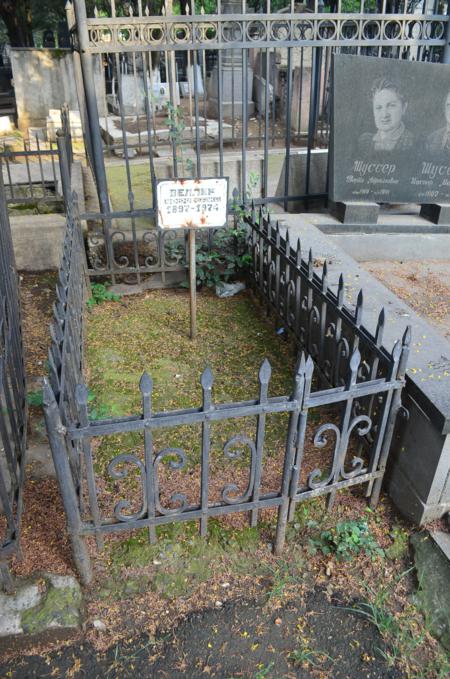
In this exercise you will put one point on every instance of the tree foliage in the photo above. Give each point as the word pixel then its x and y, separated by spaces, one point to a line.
pixel 22 17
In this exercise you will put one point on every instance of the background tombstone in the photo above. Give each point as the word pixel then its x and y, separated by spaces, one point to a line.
pixel 232 75
pixel 390 137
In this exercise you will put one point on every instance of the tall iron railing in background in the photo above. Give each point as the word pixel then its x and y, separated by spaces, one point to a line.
pixel 31 175
pixel 65 154
pixel 13 402
pixel 356 374
pixel 171 88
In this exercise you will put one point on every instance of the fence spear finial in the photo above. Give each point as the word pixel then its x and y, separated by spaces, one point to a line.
pixel 146 384
pixel 359 307
pixel 324 277
pixel 265 372
pixel 380 326
pixel 207 378
pixel 407 335
pixel 340 295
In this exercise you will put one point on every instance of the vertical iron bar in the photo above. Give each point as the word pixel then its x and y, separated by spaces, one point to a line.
pixel 220 108
pixel 81 396
pixel 265 191
pixel 299 382
pixel 264 378
pixel 91 104
pixel 196 109
pixel 146 388
pixel 57 442
pixel 206 382
pixel 244 124
pixel 288 129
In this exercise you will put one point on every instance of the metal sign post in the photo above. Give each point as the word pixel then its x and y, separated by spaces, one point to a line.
pixel 192 204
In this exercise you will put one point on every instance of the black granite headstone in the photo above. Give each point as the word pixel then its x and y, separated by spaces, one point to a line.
pixel 390 131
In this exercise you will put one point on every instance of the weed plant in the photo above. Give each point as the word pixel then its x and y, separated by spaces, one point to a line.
pixel 346 540
pixel 100 293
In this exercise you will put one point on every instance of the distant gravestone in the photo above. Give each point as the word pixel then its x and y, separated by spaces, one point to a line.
pixel 390 131
pixel 48 38
pixel 63 34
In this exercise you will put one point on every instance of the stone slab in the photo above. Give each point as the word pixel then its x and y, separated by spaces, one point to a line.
pixel 21 173
pixel 392 143
pixel 436 213
pixel 433 575
pixel 443 542
pixel 46 605
pixel 353 212
pixel 366 247
pixel 37 241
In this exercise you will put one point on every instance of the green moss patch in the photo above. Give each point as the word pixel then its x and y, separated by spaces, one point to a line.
pixel 60 607
pixel 151 333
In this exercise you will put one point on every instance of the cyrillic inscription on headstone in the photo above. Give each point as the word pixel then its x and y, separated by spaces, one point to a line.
pixel 391 131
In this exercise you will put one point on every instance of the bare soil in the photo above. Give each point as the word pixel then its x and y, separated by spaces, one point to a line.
pixel 241 639
pixel 423 285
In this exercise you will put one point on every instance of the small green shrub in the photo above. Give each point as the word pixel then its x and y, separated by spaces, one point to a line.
pixel 227 261
pixel 100 294
pixel 346 540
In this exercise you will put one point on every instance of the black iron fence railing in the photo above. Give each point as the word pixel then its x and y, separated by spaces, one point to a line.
pixel 13 403
pixel 235 93
pixel 31 175
pixel 35 175
pixel 308 309
pixel 356 376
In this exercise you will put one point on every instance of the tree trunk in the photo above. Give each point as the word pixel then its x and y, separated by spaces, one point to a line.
pixel 17 18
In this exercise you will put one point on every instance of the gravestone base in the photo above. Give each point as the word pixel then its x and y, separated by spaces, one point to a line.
pixel 232 104
pixel 437 213
pixel 355 212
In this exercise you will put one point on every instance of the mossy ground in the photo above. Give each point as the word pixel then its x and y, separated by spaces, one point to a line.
pixel 151 333
pixel 141 186
pixel 60 606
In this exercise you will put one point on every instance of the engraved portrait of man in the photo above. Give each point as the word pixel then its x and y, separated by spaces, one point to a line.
pixel 439 140
pixel 389 107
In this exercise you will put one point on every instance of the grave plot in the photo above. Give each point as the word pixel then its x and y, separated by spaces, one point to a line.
pixel 144 452
pixel 148 574
pixel 150 333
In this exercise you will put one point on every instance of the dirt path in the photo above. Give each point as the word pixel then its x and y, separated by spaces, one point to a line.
pixel 424 285
pixel 317 639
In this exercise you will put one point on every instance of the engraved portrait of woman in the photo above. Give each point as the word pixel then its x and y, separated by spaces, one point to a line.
pixel 389 107
pixel 439 140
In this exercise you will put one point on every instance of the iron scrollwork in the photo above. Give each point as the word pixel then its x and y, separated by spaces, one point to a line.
pixel 118 472
pixel 363 425
pixel 178 463
pixel 233 450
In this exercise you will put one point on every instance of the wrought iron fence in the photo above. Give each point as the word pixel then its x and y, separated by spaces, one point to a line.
pixel 31 175
pixel 234 93
pixel 356 375
pixel 13 403
pixel 306 307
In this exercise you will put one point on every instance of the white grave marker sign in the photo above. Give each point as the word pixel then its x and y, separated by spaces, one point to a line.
pixel 192 203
